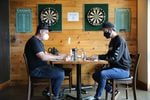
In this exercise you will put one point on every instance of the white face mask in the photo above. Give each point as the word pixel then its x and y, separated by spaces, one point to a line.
pixel 44 34
pixel 45 37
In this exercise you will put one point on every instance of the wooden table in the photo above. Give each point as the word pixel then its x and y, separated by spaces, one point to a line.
pixel 78 66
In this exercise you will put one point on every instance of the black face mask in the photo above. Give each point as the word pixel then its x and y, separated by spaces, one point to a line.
pixel 107 34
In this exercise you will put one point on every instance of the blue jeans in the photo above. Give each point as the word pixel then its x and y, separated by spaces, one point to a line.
pixel 56 75
pixel 103 75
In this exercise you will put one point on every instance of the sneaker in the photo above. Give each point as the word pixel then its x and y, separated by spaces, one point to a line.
pixel 93 98
pixel 46 92
pixel 83 91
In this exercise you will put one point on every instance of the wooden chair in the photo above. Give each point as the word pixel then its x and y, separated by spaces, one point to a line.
pixel 127 81
pixel 35 81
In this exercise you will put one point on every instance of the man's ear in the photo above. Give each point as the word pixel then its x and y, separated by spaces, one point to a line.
pixel 109 30
pixel 41 31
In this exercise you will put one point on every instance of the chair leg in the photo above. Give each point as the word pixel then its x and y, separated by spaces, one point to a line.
pixel 32 88
pixel 106 95
pixel 126 91
pixel 113 90
pixel 70 81
pixel 50 90
pixel 29 90
pixel 134 90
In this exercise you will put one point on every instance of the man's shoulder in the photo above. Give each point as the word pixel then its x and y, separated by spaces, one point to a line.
pixel 120 39
pixel 30 41
pixel 33 39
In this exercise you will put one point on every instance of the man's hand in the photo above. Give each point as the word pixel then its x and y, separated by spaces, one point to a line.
pixel 61 56
pixel 93 57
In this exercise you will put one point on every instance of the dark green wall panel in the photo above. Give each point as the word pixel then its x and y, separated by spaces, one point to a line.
pixel 50 11
pixel 102 13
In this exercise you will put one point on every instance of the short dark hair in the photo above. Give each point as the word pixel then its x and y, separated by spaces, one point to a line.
pixel 42 26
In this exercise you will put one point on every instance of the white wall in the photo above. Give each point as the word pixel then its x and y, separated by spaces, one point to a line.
pixel 148 31
pixel 143 41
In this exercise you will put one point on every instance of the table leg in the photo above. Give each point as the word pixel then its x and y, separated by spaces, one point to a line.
pixel 79 82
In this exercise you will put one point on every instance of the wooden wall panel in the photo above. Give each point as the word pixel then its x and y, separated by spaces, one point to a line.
pixel 92 42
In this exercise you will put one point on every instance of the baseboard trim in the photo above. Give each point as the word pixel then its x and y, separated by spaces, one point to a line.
pixel 142 85
pixel 4 85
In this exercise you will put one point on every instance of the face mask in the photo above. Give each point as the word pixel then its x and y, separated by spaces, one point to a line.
pixel 107 34
pixel 45 37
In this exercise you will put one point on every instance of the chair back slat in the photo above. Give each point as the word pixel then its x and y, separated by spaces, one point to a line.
pixel 134 64
pixel 26 63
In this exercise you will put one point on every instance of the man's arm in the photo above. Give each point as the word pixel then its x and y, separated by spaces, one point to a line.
pixel 102 57
pixel 116 54
pixel 47 56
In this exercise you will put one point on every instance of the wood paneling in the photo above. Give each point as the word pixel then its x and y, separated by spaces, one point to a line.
pixel 92 42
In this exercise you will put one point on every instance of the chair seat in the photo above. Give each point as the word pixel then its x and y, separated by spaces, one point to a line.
pixel 40 81
pixel 125 79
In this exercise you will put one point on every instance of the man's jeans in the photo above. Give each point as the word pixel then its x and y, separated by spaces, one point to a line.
pixel 108 73
pixel 56 75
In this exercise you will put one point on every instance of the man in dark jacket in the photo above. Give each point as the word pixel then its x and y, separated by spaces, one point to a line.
pixel 118 58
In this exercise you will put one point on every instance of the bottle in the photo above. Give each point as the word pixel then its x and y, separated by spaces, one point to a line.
pixel 74 53
pixel 84 55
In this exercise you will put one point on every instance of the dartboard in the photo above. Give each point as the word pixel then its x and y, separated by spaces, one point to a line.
pixel 49 16
pixel 96 16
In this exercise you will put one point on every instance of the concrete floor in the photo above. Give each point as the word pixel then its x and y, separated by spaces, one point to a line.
pixel 20 93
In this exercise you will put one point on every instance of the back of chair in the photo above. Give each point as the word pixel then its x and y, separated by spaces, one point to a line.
pixel 29 78
pixel 26 63
pixel 34 81
pixel 135 63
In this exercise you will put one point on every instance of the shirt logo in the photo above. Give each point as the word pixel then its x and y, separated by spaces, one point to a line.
pixel 110 48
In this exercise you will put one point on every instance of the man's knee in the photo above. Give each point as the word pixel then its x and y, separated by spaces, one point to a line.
pixel 104 74
pixel 61 75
